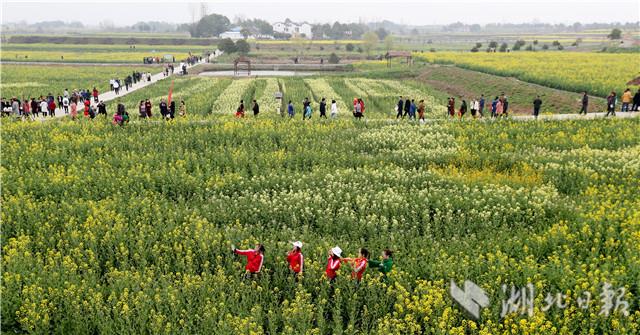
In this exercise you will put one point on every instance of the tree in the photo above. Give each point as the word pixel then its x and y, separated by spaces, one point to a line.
pixel 503 47
pixel 243 47
pixel 545 47
pixel 555 43
pixel 349 47
pixel 474 49
pixel 211 26
pixel 381 33
pixel 388 42
pixel 369 41
pixel 493 44
pixel 333 58
pixel 535 42
pixel 478 45
pixel 227 46
pixel 245 32
pixel 616 34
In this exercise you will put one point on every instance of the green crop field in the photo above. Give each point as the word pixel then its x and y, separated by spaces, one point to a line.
pixel 39 80
pixel 117 230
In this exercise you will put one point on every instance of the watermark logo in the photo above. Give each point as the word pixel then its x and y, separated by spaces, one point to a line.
pixel 472 298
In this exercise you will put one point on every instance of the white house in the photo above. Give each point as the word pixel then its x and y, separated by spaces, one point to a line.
pixel 294 29
pixel 233 34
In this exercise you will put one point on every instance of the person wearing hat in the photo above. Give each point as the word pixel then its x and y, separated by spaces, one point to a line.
pixel 386 264
pixel 295 258
pixel 255 258
pixel 333 263
pixel 359 264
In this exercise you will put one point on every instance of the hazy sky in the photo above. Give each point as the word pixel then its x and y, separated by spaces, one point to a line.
pixel 403 11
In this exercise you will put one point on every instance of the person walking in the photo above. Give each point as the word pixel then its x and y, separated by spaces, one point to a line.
pixel 463 108
pixel 359 264
pixel 95 95
pixel 142 112
pixel 505 105
pixel 421 108
pixel 74 108
pixel 386 265
pixel 26 110
pixel 147 107
pixel 34 107
pixel 451 107
pixel 44 107
pixel 494 107
pixel 296 259
pixel 323 108
pixel 333 264
pixel 164 109
pixel 183 108
pixel 102 109
pixel 305 103
pixel 636 102
pixel 474 107
pixel 399 108
pixel 255 259
pixel 412 110
pixel 15 107
pixel 240 110
pixel 308 111
pixel 52 108
pixel 334 109
pixel 172 110
pixel 116 87
pixel 256 108
pixel 499 108
pixel 357 109
pixel 627 99
pixel 290 110
pixel 585 103
pixel 481 105
pixel 611 104
pixel 537 102
pixel 407 108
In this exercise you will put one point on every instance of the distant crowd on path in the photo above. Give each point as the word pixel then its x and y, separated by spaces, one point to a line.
pixel 307 110
pixel 167 110
pixel 409 108
pixel 295 262
pixel 70 103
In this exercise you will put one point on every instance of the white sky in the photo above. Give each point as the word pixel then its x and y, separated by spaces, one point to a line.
pixel 413 12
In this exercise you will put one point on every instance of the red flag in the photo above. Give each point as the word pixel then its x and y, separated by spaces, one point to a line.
pixel 170 92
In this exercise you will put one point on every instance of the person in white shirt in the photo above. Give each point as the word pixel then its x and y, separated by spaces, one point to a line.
pixel 65 104
pixel 475 106
pixel 44 107
pixel 334 109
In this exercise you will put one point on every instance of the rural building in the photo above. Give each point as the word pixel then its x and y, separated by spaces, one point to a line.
pixel 233 34
pixel 294 29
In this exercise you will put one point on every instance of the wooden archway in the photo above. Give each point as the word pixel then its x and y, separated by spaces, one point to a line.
pixel 396 54
pixel 241 60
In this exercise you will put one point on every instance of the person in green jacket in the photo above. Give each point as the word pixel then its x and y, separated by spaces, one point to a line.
pixel 386 264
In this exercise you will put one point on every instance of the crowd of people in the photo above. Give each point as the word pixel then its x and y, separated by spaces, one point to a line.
pixel 295 262
pixel 167 109
pixel 69 102
pixel 408 108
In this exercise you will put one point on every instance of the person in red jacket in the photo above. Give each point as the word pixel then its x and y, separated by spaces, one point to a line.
pixel 296 259
pixel 333 263
pixel 359 264
pixel 255 258
pixel 95 95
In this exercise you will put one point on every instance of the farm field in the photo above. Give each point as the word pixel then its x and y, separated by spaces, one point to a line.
pixel 90 53
pixel 221 96
pixel 596 73
pixel 129 229
pixel 471 84
pixel 35 80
